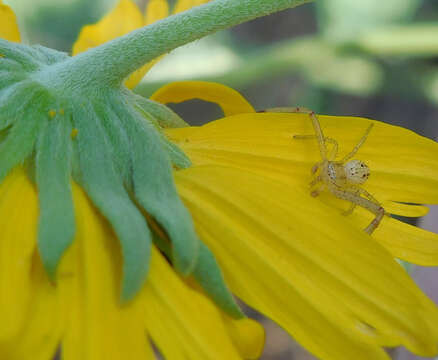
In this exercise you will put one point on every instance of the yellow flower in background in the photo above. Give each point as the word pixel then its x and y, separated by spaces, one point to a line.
pixel 8 25
pixel 124 18
pixel 336 290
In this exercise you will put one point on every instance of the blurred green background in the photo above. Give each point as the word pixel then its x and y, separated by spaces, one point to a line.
pixel 376 59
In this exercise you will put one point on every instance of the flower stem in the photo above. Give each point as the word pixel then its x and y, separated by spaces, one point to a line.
pixel 113 61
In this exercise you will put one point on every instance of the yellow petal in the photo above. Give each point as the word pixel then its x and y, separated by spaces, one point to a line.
pixel 8 24
pixel 405 241
pixel 40 336
pixel 28 303
pixel 156 10
pixel 227 98
pixel 183 5
pixel 183 323
pixel 97 327
pixel 404 165
pixel 18 224
pixel 338 293
pixel 122 19
pixel 405 209
pixel 247 335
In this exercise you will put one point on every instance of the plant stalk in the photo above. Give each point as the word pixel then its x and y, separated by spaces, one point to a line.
pixel 109 64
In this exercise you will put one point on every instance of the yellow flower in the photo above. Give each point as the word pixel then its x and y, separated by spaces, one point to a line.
pixel 295 258
pixel 124 18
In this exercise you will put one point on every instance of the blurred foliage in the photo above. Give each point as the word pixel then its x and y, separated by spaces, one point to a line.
pixel 360 48
pixel 59 26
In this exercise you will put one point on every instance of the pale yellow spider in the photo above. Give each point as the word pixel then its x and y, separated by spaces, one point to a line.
pixel 341 177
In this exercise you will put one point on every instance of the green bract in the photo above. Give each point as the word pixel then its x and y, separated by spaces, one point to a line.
pixel 110 142
pixel 70 118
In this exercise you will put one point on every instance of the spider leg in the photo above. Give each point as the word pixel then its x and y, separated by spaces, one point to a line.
pixel 316 192
pixel 358 145
pixel 370 205
pixel 376 221
pixel 333 152
pixel 315 122
pixel 316 180
pixel 359 192
pixel 350 210
pixel 315 167
pixel 365 193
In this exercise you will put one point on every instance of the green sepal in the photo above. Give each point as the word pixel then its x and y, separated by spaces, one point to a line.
pixel 10 66
pixel 119 140
pixel 161 117
pixel 165 116
pixel 178 158
pixel 8 78
pixel 209 276
pixel 154 188
pixel 100 179
pixel 14 102
pixel 30 58
pixel 20 53
pixel 57 220
pixel 21 137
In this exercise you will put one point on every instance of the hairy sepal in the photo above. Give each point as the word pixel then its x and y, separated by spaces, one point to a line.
pixel 98 175
pixel 154 188
pixel 110 141
pixel 57 221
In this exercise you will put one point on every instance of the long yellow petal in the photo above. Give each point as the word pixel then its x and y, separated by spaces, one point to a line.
pixel 18 224
pixel 122 19
pixel 405 241
pixel 156 10
pixel 340 294
pixel 8 24
pixel 28 303
pixel 183 5
pixel 97 326
pixel 183 323
pixel 247 335
pixel 227 98
pixel 404 165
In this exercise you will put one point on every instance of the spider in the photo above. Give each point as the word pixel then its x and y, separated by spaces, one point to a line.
pixel 342 177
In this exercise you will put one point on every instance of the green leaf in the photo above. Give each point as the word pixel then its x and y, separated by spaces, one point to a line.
pixel 345 19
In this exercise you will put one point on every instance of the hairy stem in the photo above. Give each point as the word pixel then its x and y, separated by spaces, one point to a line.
pixel 111 62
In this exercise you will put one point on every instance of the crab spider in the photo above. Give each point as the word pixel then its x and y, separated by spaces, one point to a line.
pixel 342 177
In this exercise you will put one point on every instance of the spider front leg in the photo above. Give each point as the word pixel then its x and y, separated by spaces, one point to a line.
pixel 358 145
pixel 329 140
